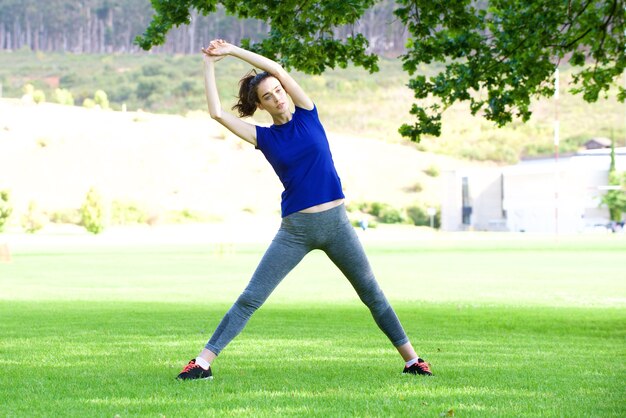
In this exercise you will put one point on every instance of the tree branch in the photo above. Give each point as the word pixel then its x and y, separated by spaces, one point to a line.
pixel 604 27
pixel 570 44
pixel 580 12
pixel 506 55
pixel 571 22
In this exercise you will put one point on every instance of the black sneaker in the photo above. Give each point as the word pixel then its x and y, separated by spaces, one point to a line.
pixel 421 367
pixel 194 371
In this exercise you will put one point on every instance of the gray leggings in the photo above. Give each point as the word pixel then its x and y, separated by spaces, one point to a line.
pixel 299 233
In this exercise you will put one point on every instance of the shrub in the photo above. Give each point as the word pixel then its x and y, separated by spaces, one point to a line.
pixel 432 171
pixel 39 96
pixel 415 188
pixel 374 208
pixel 150 70
pixel 92 213
pixel 42 142
pixel 419 216
pixel 123 213
pixel 615 200
pixel 187 88
pixel 34 219
pixel 28 89
pixel 30 93
pixel 101 99
pixel 66 216
pixel 356 207
pixel 70 79
pixel 121 92
pixel 390 215
pixel 89 103
pixel 5 208
pixel 64 97
pixel 383 212
pixel 147 87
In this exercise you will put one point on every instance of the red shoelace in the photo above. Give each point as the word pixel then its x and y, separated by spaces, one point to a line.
pixel 423 366
pixel 189 367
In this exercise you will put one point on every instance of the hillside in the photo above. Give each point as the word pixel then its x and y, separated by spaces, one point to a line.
pixel 54 154
pixel 351 101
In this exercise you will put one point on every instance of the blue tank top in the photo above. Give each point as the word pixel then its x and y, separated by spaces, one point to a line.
pixel 300 155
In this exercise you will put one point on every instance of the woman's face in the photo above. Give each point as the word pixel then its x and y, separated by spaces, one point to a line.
pixel 272 96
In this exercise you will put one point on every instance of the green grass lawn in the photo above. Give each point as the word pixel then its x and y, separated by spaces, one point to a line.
pixel 512 327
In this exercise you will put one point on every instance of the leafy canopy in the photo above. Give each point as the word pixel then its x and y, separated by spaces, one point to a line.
pixel 496 54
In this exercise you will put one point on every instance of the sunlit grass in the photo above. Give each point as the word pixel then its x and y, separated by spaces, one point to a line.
pixel 103 359
pixel 489 269
pixel 103 331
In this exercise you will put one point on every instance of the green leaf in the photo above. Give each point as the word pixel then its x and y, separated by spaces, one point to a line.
pixel 506 50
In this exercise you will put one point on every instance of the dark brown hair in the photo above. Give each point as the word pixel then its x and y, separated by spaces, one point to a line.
pixel 248 99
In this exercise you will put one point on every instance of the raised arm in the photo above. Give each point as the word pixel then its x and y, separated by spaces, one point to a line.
pixel 298 96
pixel 244 130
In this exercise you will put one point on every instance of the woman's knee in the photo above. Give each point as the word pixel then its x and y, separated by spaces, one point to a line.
pixel 375 299
pixel 249 302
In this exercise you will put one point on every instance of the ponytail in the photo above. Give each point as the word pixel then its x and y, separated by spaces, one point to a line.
pixel 247 97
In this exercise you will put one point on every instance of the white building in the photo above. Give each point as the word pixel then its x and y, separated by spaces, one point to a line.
pixel 542 195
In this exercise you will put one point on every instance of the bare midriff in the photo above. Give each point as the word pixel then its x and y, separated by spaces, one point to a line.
pixel 322 207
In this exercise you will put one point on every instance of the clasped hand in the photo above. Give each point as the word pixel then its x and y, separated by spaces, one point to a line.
pixel 217 49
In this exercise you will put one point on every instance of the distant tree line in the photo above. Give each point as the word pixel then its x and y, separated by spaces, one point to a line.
pixel 106 26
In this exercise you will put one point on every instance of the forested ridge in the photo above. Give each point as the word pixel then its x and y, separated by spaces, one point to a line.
pixel 106 26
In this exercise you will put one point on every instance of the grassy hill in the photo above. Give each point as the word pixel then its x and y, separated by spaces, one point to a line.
pixel 351 101
pixel 162 166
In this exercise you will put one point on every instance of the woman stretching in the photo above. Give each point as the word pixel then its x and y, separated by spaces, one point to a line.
pixel 313 213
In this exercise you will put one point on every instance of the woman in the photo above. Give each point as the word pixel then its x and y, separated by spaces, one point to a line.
pixel 313 213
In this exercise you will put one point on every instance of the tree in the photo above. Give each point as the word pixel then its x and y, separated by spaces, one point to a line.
pixel 301 34
pixel 615 199
pixel 5 208
pixel 92 212
pixel 496 54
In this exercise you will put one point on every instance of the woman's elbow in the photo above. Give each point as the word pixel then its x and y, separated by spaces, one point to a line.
pixel 215 115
